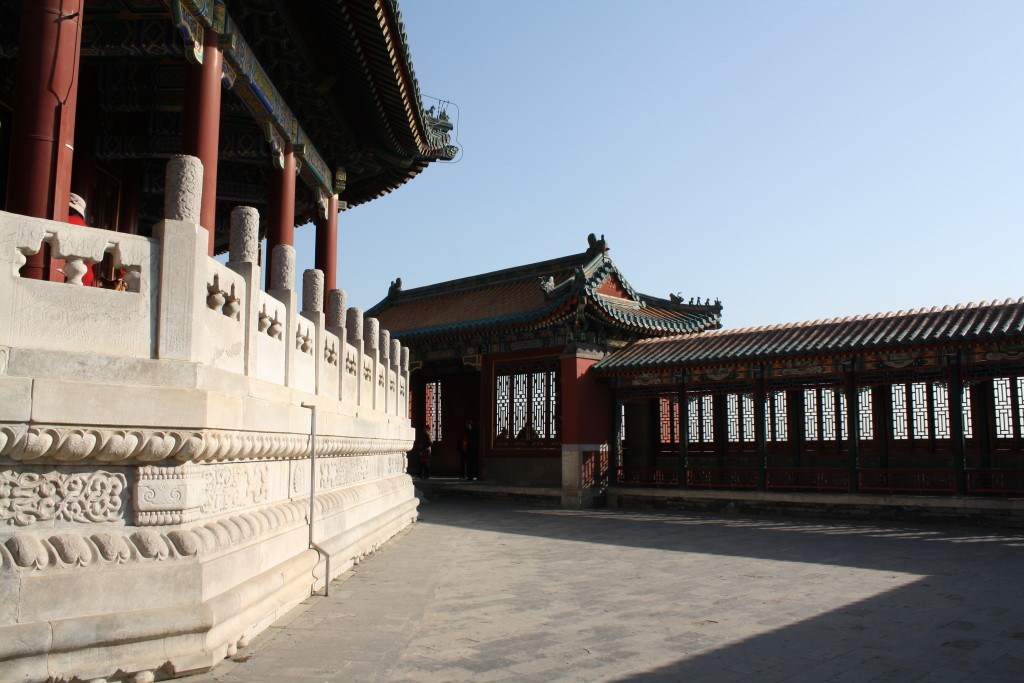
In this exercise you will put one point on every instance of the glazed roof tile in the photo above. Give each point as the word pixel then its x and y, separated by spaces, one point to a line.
pixel 514 297
pixel 922 327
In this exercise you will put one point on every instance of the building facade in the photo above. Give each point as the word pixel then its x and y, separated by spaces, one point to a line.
pixel 513 350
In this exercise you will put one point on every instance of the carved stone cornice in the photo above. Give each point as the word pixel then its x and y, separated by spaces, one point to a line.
pixel 66 548
pixel 62 444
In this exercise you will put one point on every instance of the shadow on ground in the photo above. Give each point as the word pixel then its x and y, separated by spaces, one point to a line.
pixel 961 618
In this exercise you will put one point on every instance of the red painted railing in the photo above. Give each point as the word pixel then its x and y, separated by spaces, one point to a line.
pixel 647 476
pixel 718 478
pixel 907 481
pixel 995 481
pixel 808 480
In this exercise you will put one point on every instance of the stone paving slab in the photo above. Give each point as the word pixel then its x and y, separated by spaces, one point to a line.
pixel 480 591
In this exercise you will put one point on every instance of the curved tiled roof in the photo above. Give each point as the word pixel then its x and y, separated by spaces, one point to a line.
pixel 922 327
pixel 345 68
pixel 514 298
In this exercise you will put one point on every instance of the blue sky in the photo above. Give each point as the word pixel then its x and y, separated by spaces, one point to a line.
pixel 798 159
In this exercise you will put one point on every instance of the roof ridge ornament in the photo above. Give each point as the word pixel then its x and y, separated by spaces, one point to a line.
pixel 547 285
pixel 596 246
pixel 396 288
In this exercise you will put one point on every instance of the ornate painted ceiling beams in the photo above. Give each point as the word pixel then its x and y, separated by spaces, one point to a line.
pixel 244 75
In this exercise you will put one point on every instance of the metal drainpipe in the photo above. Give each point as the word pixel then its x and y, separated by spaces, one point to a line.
pixel 312 497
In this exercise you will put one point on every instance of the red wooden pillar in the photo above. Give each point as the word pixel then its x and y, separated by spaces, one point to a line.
pixel 327 246
pixel 584 399
pixel 281 223
pixel 42 132
pixel 201 124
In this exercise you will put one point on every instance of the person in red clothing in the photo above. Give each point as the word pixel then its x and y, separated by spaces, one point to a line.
pixel 76 216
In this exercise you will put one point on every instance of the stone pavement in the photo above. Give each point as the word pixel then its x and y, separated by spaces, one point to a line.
pixel 480 591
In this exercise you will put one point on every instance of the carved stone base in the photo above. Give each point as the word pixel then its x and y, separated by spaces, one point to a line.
pixel 177 599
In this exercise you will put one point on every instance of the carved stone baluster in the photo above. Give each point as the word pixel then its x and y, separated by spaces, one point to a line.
pixel 74 270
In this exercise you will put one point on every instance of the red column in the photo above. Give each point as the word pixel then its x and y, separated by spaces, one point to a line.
pixel 281 209
pixel 585 401
pixel 327 246
pixel 201 124
pixel 42 137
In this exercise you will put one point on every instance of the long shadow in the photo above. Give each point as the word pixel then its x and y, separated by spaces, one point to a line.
pixel 963 619
pixel 895 547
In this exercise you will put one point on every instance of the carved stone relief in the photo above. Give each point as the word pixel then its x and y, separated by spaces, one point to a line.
pixel 229 487
pixel 30 497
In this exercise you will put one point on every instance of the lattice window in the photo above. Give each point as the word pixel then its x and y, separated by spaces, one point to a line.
pixel 919 409
pixel 432 404
pixel 940 410
pixel 1019 385
pixel 502 405
pixel 747 424
pixel 965 398
pixel 539 405
pixel 900 412
pixel 526 404
pixel 811 415
pixel 824 414
pixel 707 418
pixel 701 418
pixel 1003 394
pixel 520 405
pixel 866 412
pixel 552 405
pixel 693 418
pixel 732 417
pixel 775 416
pixel 668 419
pixel 739 415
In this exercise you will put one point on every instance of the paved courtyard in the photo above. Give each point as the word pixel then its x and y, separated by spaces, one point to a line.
pixel 492 592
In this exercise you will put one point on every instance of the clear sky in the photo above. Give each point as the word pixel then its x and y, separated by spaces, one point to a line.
pixel 799 159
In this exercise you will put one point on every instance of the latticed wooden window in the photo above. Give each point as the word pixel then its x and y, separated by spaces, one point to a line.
pixel 1008 407
pixel 432 404
pixel 866 411
pixel 920 411
pixel 968 420
pixel 775 415
pixel 701 418
pixel 668 419
pixel 526 403
pixel 824 414
pixel 739 416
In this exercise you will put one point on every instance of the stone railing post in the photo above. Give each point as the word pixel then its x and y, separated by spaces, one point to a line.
pixel 354 329
pixel 335 324
pixel 384 384
pixel 313 311
pixel 184 245
pixel 282 288
pixel 396 367
pixel 405 378
pixel 243 258
pixel 371 341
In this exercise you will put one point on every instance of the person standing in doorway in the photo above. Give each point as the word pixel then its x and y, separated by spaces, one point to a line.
pixel 465 444
pixel 474 451
pixel 423 448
